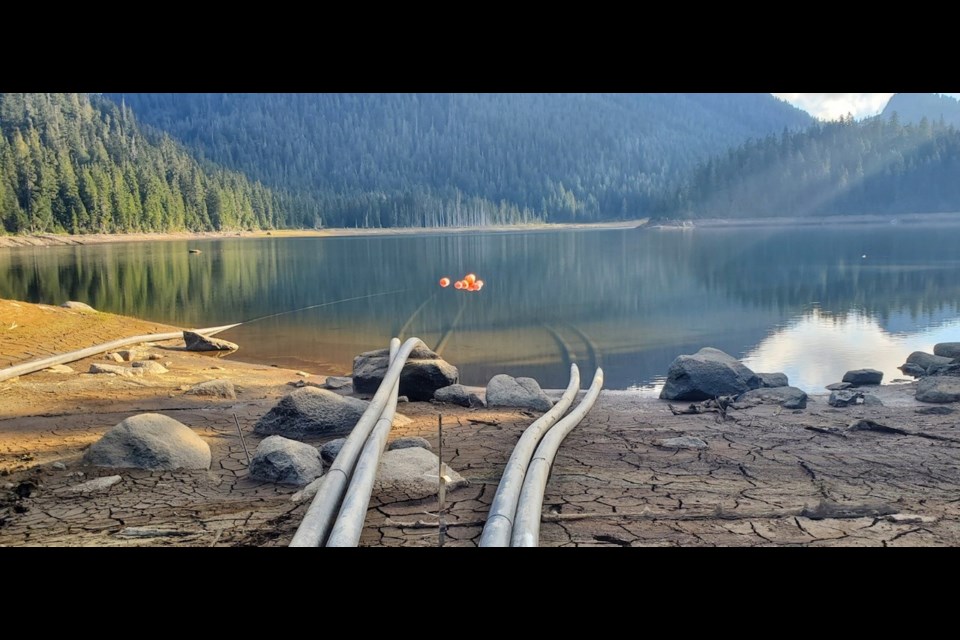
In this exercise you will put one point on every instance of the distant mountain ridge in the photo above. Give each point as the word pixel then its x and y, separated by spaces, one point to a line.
pixel 465 158
pixel 911 108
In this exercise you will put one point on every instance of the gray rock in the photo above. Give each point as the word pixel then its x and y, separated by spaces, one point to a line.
pixel 707 374
pixel 938 389
pixel 507 391
pixel 412 472
pixel 330 451
pixel 683 442
pixel 925 360
pixel 214 388
pixel 422 374
pixel 787 397
pixel 115 369
pixel 312 412
pixel 77 306
pixel 197 342
pixel 408 442
pixel 912 369
pixel 149 441
pixel 839 386
pixel 284 461
pixel 115 357
pixel 845 398
pixel 951 369
pixel 99 484
pixel 947 349
pixel 458 394
pixel 870 400
pixel 861 377
pixel 773 379
pixel 149 366
pixel 307 492
pixel 335 383
pixel 59 466
pixel 59 368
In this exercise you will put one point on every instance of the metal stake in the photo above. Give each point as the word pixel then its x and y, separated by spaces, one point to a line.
pixel 241 439
pixel 442 499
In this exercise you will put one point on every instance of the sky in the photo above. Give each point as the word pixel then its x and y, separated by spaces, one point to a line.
pixel 830 106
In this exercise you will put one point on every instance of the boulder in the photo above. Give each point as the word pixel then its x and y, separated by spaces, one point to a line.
pixel 683 442
pixel 709 373
pixel 312 412
pixel 149 366
pixel 861 377
pixel 939 389
pixel 507 391
pixel 925 360
pixel 787 397
pixel 845 398
pixel 278 459
pixel 947 349
pixel 149 441
pixel 951 369
pixel 412 472
pixel 839 386
pixel 77 306
pixel 408 442
pixel 335 383
pixel 773 379
pixel 914 370
pixel 214 388
pixel 330 451
pixel 197 342
pixel 115 369
pixel 458 394
pixel 423 373
pixel 870 400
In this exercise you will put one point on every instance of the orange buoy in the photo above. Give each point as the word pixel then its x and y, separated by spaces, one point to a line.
pixel 479 284
pixel 473 287
pixel 470 279
pixel 444 282
pixel 458 284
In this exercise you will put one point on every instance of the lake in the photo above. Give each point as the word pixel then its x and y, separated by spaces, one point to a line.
pixel 812 302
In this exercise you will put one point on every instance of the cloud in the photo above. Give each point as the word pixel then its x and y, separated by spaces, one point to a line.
pixel 830 106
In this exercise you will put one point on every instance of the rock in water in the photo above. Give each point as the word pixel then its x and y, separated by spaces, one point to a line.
pixel 947 349
pixel 845 398
pixel 278 459
pixel 150 441
pixel 77 306
pixel 412 472
pixel 913 370
pixel 149 366
pixel 683 442
pixel 458 394
pixel 197 342
pixel 939 389
pixel 115 369
pixel 787 397
pixel 421 376
pixel 709 373
pixel 215 388
pixel 330 451
pixel 507 391
pixel 861 377
pixel 925 360
pixel 408 442
pixel 312 412
pixel 773 379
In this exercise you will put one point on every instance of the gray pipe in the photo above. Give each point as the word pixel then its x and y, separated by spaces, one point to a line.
pixel 349 525
pixel 499 524
pixel 526 530
pixel 37 365
pixel 318 520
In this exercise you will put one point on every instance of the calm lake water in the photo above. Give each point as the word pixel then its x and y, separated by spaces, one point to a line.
pixel 812 302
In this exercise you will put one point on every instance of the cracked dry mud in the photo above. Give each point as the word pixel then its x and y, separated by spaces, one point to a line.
pixel 768 477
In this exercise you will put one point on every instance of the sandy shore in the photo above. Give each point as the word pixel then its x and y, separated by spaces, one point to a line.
pixel 766 476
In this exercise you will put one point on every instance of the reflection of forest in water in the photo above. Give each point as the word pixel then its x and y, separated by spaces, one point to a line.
pixel 639 297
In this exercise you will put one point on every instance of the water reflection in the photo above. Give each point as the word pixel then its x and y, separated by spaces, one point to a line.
pixel 627 300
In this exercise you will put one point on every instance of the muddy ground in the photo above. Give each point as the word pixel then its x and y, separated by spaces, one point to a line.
pixel 767 477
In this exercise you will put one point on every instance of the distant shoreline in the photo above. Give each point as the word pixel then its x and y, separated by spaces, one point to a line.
pixel 812 221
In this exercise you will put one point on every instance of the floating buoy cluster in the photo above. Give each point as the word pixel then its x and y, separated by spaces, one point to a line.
pixel 469 283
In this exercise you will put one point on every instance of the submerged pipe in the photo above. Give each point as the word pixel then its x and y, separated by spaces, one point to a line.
pixel 349 525
pixel 526 529
pixel 37 365
pixel 317 522
pixel 499 524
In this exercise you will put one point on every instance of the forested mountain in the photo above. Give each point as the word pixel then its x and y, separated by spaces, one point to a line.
pixel 876 167
pixel 455 159
pixel 911 108
pixel 76 163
